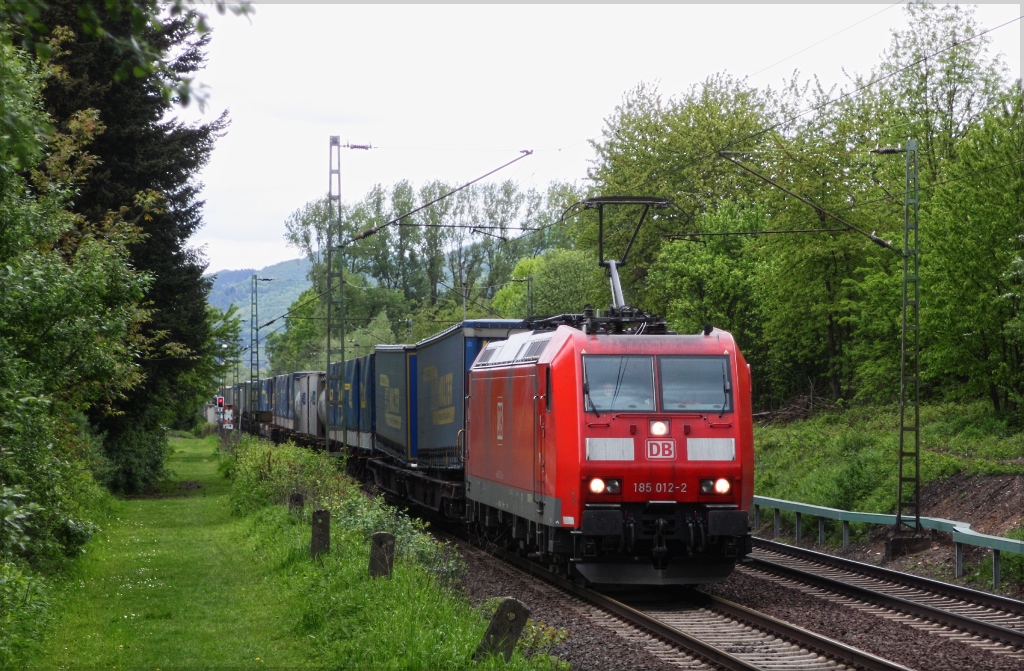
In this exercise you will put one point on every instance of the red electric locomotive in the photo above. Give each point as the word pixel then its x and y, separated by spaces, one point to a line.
pixel 609 448
pixel 627 457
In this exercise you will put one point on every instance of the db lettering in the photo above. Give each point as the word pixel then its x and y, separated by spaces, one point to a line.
pixel 661 449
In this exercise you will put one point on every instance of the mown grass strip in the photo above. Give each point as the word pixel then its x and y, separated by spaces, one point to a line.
pixel 198 579
pixel 176 581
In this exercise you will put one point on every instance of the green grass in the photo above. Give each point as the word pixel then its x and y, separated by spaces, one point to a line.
pixel 175 582
pixel 848 459
pixel 414 620
pixel 220 576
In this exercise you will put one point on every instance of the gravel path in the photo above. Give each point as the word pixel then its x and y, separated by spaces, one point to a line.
pixel 593 647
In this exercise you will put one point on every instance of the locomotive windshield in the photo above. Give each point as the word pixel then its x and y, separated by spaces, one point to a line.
pixel 695 384
pixel 618 383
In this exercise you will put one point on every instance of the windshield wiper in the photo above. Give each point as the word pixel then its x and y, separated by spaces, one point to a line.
pixel 590 401
pixel 726 388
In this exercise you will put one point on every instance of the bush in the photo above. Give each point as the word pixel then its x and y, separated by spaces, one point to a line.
pixel 265 474
pixel 24 608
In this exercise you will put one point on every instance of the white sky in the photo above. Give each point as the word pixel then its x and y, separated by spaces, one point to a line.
pixel 452 91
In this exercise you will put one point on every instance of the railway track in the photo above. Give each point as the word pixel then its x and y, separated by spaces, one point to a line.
pixel 693 630
pixel 975 618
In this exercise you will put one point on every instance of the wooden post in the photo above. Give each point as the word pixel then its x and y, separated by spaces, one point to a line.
pixel 320 542
pixel 382 554
pixel 296 502
pixel 504 630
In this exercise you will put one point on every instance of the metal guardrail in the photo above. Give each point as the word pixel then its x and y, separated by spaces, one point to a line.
pixel 961 531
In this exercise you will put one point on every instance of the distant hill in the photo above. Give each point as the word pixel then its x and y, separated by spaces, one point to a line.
pixel 235 286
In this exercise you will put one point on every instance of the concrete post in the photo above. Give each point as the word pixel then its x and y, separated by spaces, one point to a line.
pixel 504 630
pixel 320 543
pixel 382 554
pixel 296 502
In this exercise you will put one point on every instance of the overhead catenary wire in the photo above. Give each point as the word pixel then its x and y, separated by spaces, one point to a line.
pixel 470 300
pixel 370 231
pixel 823 40
pixel 860 89
pixel 847 210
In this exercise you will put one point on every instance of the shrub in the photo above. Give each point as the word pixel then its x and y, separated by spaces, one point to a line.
pixel 265 474
pixel 24 608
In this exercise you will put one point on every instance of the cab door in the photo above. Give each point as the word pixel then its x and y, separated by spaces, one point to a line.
pixel 542 388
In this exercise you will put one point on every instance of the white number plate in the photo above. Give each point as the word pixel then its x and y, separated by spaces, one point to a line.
pixel 658 487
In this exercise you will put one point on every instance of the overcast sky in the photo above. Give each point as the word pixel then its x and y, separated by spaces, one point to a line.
pixel 453 91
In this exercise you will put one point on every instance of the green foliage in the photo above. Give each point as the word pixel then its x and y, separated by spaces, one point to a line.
pixel 264 474
pixel 149 160
pixel 976 297
pixel 421 271
pixel 70 339
pixel 565 280
pixel 24 613
pixel 135 56
pixel 349 620
pixel 558 282
pixel 847 460
pixel 343 614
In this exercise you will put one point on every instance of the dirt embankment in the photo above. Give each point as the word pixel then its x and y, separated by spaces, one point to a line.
pixel 991 504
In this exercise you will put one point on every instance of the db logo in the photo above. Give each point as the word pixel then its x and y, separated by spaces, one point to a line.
pixel 661 449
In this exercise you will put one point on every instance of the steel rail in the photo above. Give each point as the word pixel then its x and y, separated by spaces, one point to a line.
pixel 944 617
pixel 695 646
pixel 690 644
pixel 834 649
pixel 917 582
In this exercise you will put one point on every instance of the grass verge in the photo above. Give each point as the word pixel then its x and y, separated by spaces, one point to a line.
pixel 414 620
pixel 848 460
pixel 174 580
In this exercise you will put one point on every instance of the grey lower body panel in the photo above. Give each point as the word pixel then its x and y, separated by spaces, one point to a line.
pixel 547 511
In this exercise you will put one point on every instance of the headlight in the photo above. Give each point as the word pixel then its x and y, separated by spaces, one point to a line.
pixel 605 486
pixel 659 427
pixel 721 486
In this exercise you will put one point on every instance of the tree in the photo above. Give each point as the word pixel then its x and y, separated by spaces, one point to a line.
pixel 135 55
pixel 940 80
pixel 654 147
pixel 973 296
pixel 566 280
pixel 711 279
pixel 140 152
pixel 70 319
